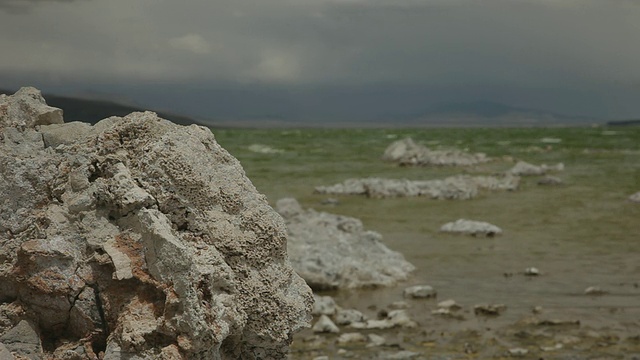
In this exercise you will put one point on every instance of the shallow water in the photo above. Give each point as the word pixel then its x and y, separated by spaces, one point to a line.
pixel 580 234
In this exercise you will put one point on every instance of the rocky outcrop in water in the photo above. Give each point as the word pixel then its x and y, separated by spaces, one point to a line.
pixel 136 239
pixel 471 227
pixel 407 152
pixel 332 251
pixel 461 187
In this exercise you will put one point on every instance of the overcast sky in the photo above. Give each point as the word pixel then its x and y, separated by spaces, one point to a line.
pixel 569 56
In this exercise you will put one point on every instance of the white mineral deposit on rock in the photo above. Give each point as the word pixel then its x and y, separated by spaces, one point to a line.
pixel 471 227
pixel 138 238
pixel 333 251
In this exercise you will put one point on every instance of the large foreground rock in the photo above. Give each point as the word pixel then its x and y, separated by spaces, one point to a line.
pixel 332 251
pixel 139 239
pixel 407 152
pixel 461 187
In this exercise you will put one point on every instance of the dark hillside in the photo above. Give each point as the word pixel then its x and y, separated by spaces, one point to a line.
pixel 92 111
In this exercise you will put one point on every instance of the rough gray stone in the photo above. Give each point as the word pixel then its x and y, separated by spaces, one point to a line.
pixel 142 235
pixel 5 354
pixel 471 227
pixel 332 251
pixel 23 339
pixel 26 109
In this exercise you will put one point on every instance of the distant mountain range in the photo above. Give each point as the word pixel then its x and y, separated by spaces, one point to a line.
pixel 94 110
pixel 487 113
pixel 476 113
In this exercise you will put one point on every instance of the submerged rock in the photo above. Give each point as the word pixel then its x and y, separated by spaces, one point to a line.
pixel 332 251
pixel 264 149
pixel 139 238
pixel 407 152
pixel 489 309
pixel 461 187
pixel 523 168
pixel 549 180
pixel 471 227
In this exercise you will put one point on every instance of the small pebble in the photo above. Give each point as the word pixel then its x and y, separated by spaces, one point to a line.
pixel 594 290
pixel 449 304
pixel 349 338
pixel 518 352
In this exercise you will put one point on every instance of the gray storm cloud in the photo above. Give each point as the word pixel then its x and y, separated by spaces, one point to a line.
pixel 329 41
pixel 528 43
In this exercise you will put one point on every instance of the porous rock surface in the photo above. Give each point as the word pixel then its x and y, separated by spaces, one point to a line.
pixel 137 239
pixel 460 187
pixel 408 152
pixel 332 251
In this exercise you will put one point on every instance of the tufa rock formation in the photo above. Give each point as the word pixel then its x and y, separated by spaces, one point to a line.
pixel 136 239
pixel 331 251
pixel 407 152
pixel 460 187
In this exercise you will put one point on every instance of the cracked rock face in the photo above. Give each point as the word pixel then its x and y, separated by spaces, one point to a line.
pixel 138 238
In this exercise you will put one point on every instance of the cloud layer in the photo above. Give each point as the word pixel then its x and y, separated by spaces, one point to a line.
pixel 556 44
